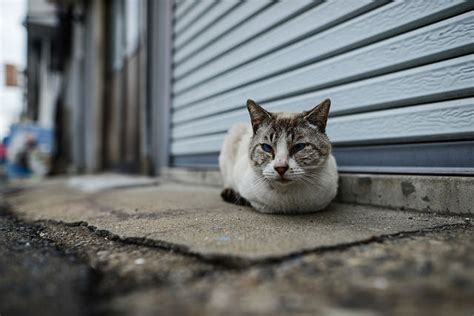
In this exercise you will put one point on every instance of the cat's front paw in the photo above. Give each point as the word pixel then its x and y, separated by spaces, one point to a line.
pixel 229 195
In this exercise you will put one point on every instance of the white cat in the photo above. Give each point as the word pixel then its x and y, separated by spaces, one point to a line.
pixel 281 163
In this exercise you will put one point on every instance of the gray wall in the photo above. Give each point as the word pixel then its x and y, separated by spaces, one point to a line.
pixel 400 76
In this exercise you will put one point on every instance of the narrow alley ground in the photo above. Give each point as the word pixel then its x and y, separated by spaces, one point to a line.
pixel 179 250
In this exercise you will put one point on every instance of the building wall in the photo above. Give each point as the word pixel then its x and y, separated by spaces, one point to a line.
pixel 74 95
pixel 99 104
pixel 98 51
pixel 400 76
pixel 123 138
pixel 94 71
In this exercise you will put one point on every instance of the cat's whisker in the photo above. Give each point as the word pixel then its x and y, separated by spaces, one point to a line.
pixel 312 168
pixel 314 182
pixel 260 180
pixel 312 177
pixel 297 173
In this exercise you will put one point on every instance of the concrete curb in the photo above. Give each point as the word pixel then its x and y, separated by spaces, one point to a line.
pixel 437 194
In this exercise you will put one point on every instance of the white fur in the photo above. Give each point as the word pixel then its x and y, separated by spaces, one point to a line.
pixel 270 196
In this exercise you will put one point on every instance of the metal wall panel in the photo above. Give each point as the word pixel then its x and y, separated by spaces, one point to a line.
pixel 397 73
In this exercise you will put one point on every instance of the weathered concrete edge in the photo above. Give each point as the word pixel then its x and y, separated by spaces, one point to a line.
pixel 426 193
pixel 236 262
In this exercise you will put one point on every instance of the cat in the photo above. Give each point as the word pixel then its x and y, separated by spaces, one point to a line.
pixel 281 162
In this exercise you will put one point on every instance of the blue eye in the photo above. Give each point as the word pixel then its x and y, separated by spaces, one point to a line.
pixel 298 147
pixel 267 148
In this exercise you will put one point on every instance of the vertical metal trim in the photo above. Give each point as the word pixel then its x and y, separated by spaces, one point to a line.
pixel 93 76
pixel 160 63
pixel 144 115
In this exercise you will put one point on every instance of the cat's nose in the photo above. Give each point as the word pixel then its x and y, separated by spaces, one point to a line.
pixel 281 170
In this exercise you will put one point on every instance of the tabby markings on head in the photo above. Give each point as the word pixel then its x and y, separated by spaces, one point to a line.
pixel 298 138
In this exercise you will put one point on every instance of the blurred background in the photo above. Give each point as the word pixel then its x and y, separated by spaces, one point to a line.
pixel 139 86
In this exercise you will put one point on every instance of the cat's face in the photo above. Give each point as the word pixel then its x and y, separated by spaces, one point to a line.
pixel 289 147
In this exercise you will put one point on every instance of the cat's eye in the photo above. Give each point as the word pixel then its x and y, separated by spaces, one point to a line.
pixel 267 148
pixel 298 147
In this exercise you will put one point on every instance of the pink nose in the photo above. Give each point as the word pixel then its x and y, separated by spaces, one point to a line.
pixel 281 170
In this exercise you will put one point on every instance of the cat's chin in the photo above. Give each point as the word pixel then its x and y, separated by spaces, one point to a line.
pixel 282 181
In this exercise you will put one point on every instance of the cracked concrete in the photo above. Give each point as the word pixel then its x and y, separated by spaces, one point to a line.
pixel 171 249
pixel 421 273
pixel 196 220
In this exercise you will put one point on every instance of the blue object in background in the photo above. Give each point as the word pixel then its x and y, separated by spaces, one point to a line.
pixel 44 140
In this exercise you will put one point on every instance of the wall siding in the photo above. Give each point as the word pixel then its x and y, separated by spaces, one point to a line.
pixel 398 74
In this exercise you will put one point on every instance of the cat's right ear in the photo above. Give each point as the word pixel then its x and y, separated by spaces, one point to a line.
pixel 258 115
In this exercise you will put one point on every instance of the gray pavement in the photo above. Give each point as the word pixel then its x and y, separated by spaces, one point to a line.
pixel 195 219
pixel 179 250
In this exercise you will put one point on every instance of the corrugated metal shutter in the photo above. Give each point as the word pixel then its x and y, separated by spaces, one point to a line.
pixel 400 76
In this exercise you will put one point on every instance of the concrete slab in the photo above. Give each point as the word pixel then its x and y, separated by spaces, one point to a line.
pixel 96 183
pixel 196 220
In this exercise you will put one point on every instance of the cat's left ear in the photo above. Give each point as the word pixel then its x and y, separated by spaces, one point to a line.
pixel 318 116
pixel 258 115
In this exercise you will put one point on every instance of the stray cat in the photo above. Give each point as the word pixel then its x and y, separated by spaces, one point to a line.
pixel 281 163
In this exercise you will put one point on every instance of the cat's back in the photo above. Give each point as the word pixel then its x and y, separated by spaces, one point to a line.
pixel 234 146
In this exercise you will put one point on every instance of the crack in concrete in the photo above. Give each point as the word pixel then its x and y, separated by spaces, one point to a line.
pixel 108 285
pixel 231 262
